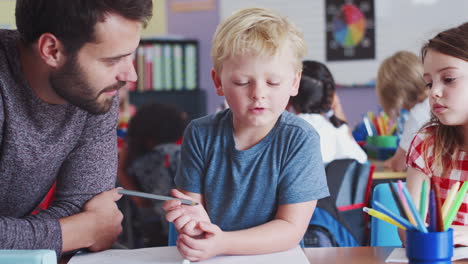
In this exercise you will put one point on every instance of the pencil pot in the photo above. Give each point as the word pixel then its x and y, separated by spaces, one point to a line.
pixel 381 147
pixel 429 248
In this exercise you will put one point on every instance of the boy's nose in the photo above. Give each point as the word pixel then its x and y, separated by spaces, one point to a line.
pixel 258 91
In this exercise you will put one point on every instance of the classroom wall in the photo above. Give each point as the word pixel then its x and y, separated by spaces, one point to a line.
pixel 157 25
pixel 400 24
pixel 201 25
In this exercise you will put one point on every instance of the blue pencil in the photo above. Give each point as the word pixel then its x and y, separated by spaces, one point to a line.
pixel 432 212
pixel 417 217
pixel 380 207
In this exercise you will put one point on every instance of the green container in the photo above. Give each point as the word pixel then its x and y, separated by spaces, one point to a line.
pixel 383 141
pixel 381 147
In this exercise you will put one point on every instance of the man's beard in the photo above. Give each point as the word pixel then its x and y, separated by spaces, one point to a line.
pixel 69 82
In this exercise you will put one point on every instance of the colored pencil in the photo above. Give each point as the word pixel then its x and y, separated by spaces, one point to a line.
pixel 381 208
pixel 405 203
pixel 382 217
pixel 449 200
pixel 421 225
pixel 456 205
pixel 440 220
pixel 394 190
pixel 423 201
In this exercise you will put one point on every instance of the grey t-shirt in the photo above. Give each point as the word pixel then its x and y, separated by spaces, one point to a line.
pixel 243 189
pixel 41 143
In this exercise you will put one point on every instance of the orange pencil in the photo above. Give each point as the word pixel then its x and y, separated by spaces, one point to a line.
pixel 440 221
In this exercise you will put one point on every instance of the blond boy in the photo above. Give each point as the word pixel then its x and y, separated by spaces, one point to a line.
pixel 255 169
pixel 400 85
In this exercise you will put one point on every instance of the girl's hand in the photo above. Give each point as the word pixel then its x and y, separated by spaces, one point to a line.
pixel 209 245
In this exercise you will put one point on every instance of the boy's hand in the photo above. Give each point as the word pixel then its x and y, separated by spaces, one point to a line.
pixel 185 217
pixel 209 245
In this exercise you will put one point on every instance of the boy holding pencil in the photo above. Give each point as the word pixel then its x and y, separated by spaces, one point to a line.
pixel 255 169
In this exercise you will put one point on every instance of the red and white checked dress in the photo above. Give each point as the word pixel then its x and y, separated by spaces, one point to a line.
pixel 459 172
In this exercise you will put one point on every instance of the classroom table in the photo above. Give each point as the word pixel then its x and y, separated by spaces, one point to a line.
pixel 351 255
pixel 382 173
pixel 347 255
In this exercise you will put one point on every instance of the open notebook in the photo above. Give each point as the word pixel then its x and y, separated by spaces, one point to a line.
pixel 170 255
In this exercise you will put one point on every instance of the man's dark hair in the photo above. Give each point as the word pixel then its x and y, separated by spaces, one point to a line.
pixel 73 22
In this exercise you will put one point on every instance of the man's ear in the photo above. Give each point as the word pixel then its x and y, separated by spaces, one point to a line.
pixel 296 82
pixel 217 82
pixel 51 50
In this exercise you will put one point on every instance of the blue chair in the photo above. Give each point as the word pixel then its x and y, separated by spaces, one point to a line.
pixel 382 233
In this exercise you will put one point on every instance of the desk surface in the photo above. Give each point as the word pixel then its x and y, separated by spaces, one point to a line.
pixel 351 255
pixel 348 255
pixel 382 173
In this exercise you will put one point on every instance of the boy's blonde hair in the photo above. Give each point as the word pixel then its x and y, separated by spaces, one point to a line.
pixel 257 30
pixel 400 82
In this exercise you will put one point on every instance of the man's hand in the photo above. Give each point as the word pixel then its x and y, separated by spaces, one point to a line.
pixel 108 218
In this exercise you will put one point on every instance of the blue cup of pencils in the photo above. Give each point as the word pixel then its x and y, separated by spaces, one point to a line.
pixel 429 248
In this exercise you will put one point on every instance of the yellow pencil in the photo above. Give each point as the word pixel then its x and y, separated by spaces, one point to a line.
pixel 382 217
pixel 449 200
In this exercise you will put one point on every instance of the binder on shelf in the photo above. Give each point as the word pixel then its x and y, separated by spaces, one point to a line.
pixel 157 67
pixel 140 61
pixel 148 70
pixel 168 70
pixel 166 65
pixel 190 53
pixel 178 67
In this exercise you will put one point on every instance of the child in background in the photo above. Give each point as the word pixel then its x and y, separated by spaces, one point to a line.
pixel 314 103
pixel 440 150
pixel 400 85
pixel 126 111
pixel 255 169
pixel 148 163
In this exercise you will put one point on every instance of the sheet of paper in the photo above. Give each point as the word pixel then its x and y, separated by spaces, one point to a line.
pixel 399 254
pixel 170 255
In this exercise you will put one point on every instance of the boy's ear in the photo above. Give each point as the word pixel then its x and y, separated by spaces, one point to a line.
pixel 296 82
pixel 51 50
pixel 217 82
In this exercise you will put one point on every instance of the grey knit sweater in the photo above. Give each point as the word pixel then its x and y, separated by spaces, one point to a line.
pixel 41 143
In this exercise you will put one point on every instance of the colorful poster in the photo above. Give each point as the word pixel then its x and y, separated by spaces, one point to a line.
pixel 350 28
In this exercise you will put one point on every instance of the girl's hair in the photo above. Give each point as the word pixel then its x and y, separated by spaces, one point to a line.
pixel 446 140
pixel 154 124
pixel 257 30
pixel 316 91
pixel 400 82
